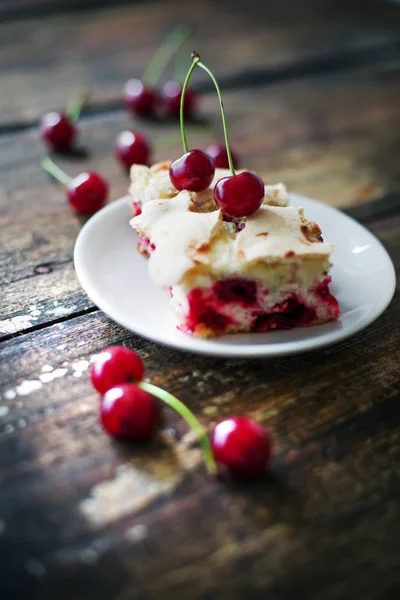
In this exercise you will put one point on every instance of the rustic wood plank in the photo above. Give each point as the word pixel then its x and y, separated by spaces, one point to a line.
pixel 43 60
pixel 334 140
pixel 86 518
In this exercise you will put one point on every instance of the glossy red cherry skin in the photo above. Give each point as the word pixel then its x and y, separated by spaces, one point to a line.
pixel 140 99
pixel 128 412
pixel 132 148
pixel 193 171
pixel 220 156
pixel 242 446
pixel 87 192
pixel 171 100
pixel 239 195
pixel 58 131
pixel 115 365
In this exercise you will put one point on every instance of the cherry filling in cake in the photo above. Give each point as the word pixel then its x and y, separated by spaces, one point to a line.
pixel 238 304
pixel 144 246
pixel 136 209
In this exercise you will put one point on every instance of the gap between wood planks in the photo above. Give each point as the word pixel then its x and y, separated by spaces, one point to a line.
pixel 72 315
pixel 337 62
pixel 380 209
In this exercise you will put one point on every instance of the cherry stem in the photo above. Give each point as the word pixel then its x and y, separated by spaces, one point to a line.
pixel 207 70
pixel 166 51
pixel 192 67
pixel 190 419
pixel 75 105
pixel 55 171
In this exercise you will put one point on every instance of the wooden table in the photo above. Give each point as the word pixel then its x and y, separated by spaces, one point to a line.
pixel 312 94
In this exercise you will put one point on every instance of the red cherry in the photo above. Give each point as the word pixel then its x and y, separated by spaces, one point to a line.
pixel 128 412
pixel 140 99
pixel 132 148
pixel 193 171
pixel 87 192
pixel 116 365
pixel 239 195
pixel 242 446
pixel 171 100
pixel 58 131
pixel 220 156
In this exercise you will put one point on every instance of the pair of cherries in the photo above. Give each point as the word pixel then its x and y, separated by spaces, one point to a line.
pixel 141 96
pixel 238 195
pixel 146 101
pixel 129 410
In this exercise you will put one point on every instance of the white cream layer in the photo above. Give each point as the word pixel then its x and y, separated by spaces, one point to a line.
pixel 190 244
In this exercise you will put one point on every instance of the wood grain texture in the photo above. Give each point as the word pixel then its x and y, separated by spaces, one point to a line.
pixel 83 517
pixel 312 99
pixel 333 138
pixel 42 60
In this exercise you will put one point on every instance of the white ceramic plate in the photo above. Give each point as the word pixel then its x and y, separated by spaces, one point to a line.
pixel 115 277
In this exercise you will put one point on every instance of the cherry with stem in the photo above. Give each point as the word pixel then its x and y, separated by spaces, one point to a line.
pixel 140 96
pixel 86 193
pixel 117 373
pixel 59 130
pixel 236 195
pixel 194 170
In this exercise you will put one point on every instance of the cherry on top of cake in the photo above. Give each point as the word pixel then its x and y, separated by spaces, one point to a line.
pixel 154 183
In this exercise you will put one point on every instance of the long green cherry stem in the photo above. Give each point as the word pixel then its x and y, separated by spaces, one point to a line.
pixel 55 171
pixel 197 63
pixel 166 51
pixel 190 419
pixel 75 105
pixel 201 65
pixel 192 67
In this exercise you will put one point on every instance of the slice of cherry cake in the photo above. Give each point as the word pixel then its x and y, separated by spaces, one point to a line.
pixel 267 271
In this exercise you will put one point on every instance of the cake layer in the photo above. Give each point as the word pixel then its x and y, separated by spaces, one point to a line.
pixel 244 305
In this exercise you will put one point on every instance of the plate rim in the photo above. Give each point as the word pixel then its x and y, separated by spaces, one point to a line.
pixel 223 351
